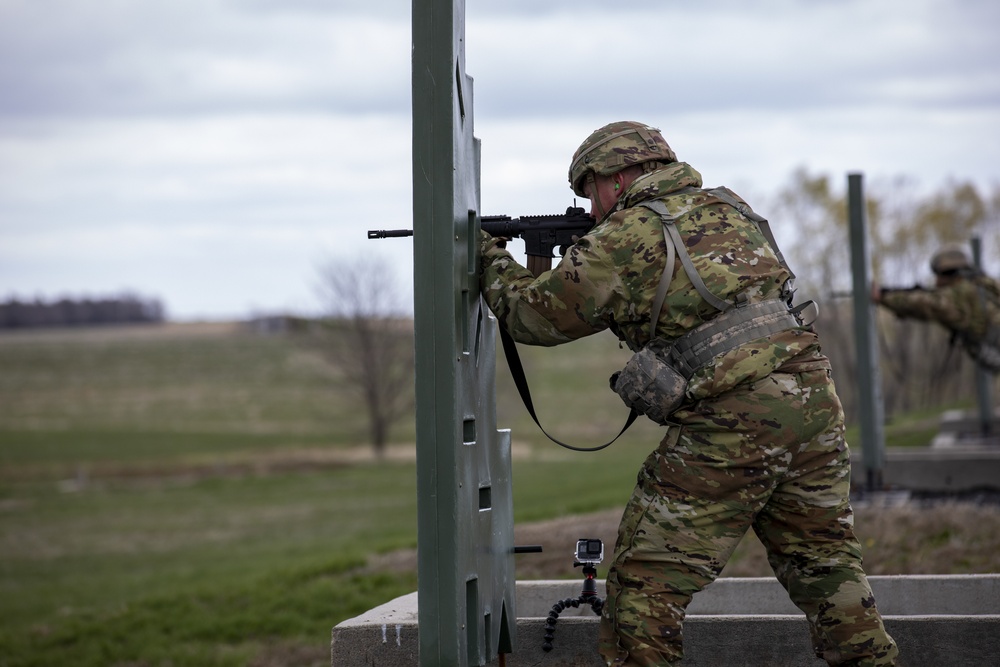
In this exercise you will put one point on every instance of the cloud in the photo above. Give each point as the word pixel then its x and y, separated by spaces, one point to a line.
pixel 184 57
pixel 214 152
pixel 252 203
pixel 786 56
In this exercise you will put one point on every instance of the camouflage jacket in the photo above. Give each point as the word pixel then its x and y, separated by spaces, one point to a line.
pixel 967 307
pixel 608 280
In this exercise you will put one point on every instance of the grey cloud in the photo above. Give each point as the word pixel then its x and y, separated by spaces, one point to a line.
pixel 236 134
pixel 812 57
pixel 187 57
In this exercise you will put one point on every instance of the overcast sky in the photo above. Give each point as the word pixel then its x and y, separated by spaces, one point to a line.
pixel 215 153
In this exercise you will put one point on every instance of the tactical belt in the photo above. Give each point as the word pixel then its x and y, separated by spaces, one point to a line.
pixel 728 331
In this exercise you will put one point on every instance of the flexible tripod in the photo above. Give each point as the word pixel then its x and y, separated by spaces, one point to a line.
pixel 588 596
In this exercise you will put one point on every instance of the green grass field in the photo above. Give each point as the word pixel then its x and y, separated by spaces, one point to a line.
pixel 198 495
pixel 148 514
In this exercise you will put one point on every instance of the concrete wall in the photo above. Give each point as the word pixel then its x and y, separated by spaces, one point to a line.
pixel 938 621
pixel 951 469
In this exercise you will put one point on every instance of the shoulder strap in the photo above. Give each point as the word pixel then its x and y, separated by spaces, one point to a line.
pixel 661 289
pixel 670 230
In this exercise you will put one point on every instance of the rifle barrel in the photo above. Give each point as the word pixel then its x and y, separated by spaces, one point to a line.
pixel 388 233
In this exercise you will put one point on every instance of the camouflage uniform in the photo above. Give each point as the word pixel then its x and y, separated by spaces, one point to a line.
pixel 758 443
pixel 969 307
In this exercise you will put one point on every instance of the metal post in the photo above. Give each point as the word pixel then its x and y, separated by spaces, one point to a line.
pixel 869 379
pixel 984 380
pixel 465 558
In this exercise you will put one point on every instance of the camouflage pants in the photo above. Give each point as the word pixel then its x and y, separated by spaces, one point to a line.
pixel 771 456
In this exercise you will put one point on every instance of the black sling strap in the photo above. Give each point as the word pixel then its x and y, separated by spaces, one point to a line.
pixel 517 372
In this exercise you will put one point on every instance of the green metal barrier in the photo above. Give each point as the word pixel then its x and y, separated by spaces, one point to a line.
pixel 466 610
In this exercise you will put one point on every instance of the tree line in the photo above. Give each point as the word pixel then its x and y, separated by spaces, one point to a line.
pixel 66 311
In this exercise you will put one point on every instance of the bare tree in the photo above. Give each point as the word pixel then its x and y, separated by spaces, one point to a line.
pixel 366 335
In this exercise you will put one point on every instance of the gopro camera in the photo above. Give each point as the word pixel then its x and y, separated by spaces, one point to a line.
pixel 589 551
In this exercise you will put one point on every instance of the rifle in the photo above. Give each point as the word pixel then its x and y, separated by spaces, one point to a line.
pixel 912 288
pixel 884 290
pixel 542 234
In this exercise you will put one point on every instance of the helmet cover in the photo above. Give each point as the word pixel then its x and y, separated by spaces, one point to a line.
pixel 614 147
pixel 950 258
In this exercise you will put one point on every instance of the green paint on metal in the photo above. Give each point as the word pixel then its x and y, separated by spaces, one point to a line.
pixel 871 407
pixel 464 504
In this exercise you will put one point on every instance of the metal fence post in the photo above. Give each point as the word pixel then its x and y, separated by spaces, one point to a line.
pixel 869 379
pixel 984 380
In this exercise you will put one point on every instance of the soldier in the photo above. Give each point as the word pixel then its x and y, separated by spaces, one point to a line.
pixel 964 301
pixel 754 430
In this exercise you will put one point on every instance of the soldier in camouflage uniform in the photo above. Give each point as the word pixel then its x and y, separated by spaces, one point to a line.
pixel 759 439
pixel 964 301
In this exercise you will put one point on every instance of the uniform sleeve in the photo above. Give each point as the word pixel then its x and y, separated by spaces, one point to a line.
pixel 573 300
pixel 939 305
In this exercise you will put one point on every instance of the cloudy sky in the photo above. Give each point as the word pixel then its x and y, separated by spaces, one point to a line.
pixel 215 153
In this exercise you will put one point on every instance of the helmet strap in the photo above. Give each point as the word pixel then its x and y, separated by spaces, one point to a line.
pixel 592 182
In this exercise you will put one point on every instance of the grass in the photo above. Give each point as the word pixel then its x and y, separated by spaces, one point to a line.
pixel 221 624
pixel 157 534
pixel 139 526
pixel 192 495
pixel 67 403
pixel 195 571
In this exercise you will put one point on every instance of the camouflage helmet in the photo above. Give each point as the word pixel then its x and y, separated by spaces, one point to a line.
pixel 950 258
pixel 615 147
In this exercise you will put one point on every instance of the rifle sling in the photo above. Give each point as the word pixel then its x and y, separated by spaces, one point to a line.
pixel 673 238
pixel 661 288
pixel 517 372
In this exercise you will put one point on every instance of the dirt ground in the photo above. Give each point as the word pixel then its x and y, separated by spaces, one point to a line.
pixel 915 537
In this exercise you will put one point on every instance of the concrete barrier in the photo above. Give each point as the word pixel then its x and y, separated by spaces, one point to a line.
pixel 939 621
pixel 956 469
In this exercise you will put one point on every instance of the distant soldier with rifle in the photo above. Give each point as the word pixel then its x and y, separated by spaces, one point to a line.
pixel 692 281
pixel 964 300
